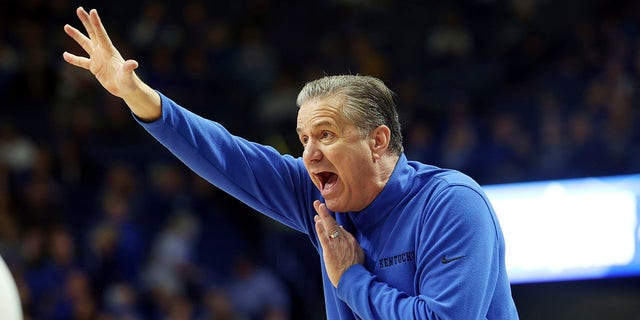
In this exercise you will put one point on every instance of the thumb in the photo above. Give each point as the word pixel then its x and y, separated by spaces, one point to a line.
pixel 130 65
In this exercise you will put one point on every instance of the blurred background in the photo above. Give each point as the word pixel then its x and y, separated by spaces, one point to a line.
pixel 99 221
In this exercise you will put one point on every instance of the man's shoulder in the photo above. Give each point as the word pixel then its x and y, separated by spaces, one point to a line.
pixel 444 177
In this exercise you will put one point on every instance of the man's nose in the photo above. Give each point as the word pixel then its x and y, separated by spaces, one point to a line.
pixel 312 152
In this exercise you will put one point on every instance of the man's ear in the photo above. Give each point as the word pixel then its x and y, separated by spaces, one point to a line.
pixel 379 141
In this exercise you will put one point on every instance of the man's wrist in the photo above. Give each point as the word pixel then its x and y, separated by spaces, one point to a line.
pixel 144 102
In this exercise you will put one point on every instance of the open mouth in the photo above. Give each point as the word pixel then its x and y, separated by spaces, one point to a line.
pixel 327 180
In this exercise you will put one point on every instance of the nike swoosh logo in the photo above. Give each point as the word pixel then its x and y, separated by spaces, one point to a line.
pixel 445 260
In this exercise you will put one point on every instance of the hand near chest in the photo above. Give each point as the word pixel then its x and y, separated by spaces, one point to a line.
pixel 340 249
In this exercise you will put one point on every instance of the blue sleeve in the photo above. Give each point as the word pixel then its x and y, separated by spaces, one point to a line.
pixel 257 175
pixel 457 222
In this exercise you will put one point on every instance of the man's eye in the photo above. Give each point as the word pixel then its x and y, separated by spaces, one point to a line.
pixel 326 134
pixel 304 140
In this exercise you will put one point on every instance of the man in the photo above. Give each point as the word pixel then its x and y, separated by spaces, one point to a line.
pixel 398 239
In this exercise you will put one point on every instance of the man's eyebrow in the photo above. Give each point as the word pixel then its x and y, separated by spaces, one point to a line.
pixel 321 123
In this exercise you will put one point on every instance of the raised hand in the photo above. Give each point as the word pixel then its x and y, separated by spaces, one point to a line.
pixel 104 61
pixel 340 250
pixel 112 71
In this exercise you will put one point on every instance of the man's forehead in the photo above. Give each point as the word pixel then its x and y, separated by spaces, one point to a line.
pixel 320 112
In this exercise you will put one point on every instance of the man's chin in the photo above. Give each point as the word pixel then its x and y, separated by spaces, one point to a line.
pixel 334 205
pixel 331 204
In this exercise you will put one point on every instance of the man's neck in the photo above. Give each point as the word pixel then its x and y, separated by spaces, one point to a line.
pixel 385 166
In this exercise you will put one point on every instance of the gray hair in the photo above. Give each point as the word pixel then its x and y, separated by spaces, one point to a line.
pixel 368 103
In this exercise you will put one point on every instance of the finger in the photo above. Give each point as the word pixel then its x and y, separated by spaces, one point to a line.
pixel 329 223
pixel 98 28
pixel 322 210
pixel 325 242
pixel 84 18
pixel 81 62
pixel 130 65
pixel 80 38
pixel 318 219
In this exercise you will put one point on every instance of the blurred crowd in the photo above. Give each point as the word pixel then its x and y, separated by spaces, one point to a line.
pixel 99 221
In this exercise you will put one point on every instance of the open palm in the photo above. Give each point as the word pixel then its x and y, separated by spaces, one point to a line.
pixel 104 61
